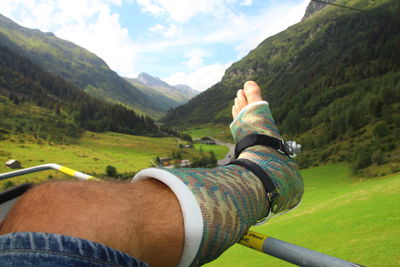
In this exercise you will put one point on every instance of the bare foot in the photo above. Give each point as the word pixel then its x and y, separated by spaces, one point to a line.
pixel 250 94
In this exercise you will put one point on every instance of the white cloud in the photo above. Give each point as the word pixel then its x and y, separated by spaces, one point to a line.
pixel 171 31
pixel 161 45
pixel 235 29
pixel 195 57
pixel 198 52
pixel 183 10
pixel 247 32
pixel 107 39
pixel 201 78
pixel 150 7
pixel 278 21
pixel 157 28
pixel 88 23
pixel 247 3
pixel 194 62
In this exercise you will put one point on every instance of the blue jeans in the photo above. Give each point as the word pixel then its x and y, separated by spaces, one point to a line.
pixel 41 249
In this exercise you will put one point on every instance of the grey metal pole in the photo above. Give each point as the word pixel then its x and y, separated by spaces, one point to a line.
pixel 302 256
pixel 291 253
pixel 68 171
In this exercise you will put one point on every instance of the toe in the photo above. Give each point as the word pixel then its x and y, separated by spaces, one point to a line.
pixel 234 112
pixel 235 108
pixel 252 92
pixel 242 101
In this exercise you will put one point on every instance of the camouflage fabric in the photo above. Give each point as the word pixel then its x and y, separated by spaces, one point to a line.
pixel 281 168
pixel 231 198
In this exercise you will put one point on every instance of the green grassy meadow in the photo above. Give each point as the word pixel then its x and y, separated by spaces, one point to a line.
pixel 92 153
pixel 220 151
pixel 217 131
pixel 355 219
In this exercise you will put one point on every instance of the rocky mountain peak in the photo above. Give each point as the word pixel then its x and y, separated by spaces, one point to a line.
pixel 186 89
pixel 149 80
pixel 314 7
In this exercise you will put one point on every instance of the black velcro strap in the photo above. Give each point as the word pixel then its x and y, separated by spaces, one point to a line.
pixel 259 139
pixel 14 192
pixel 259 172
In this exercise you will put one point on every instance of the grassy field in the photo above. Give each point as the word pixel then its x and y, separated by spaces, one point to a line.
pixel 93 152
pixel 220 151
pixel 217 131
pixel 350 218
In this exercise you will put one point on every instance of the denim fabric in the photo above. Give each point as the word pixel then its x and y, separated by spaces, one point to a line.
pixel 41 249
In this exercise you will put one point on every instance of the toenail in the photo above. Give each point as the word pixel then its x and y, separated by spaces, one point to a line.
pixel 250 83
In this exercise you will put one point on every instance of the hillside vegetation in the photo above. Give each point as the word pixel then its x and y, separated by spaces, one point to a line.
pixel 333 83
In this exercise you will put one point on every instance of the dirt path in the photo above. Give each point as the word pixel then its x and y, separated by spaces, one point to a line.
pixel 229 156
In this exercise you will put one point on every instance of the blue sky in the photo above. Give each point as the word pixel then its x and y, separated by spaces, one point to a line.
pixel 180 41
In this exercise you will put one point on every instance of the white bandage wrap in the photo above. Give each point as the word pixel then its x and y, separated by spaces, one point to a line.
pixel 192 216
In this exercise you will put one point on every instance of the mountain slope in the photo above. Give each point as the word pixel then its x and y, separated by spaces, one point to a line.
pixel 332 79
pixel 33 102
pixel 75 64
pixel 185 91
pixel 163 95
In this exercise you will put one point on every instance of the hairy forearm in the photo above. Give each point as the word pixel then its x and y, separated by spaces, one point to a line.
pixel 142 219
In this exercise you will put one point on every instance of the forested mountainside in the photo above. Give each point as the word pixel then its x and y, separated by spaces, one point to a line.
pixel 37 104
pixel 333 83
pixel 74 64
pixel 165 96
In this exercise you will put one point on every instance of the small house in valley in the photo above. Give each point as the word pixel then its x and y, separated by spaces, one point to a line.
pixel 165 161
pixel 13 164
pixel 208 141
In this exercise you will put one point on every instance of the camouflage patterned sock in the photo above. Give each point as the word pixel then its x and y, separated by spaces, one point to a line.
pixel 256 118
pixel 220 204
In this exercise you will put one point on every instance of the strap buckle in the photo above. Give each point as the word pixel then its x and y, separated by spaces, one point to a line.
pixel 290 148
pixel 271 197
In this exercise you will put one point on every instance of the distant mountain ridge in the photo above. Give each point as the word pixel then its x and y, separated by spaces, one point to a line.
pixel 76 65
pixel 164 95
pixel 151 81
pixel 186 89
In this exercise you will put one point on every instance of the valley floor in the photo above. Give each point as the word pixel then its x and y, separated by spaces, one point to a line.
pixel 93 152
